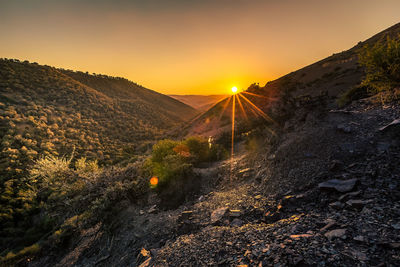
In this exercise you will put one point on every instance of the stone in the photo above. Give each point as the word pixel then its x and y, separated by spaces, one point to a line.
pixel 359 238
pixel 235 213
pixel 146 263
pixel 396 226
pixel 340 233
pixel 336 205
pixel 218 214
pixel 347 195
pixel 356 203
pixel 360 255
pixel 329 225
pixel 186 215
pixel 152 209
pixel 244 170
pixel 342 186
pixel 300 236
pixel 271 217
pixel 237 222
pixel 344 128
pixel 395 123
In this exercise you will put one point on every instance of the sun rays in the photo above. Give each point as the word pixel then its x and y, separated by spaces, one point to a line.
pixel 245 105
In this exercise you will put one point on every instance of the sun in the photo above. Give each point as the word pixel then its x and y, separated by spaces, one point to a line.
pixel 234 89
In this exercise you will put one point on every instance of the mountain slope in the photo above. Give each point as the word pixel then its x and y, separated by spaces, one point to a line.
pixel 325 80
pixel 127 92
pixel 199 102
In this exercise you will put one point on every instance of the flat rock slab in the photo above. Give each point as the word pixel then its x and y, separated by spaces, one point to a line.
pixel 218 214
pixel 342 186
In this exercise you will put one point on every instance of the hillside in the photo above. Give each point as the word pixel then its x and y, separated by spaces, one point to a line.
pixel 325 80
pixel 47 111
pixel 199 102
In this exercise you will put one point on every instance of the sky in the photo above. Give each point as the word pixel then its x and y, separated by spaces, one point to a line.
pixel 187 46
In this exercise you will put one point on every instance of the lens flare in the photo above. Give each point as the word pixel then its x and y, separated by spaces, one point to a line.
pixel 154 181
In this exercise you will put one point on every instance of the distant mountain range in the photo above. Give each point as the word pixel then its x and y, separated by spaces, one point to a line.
pixel 200 102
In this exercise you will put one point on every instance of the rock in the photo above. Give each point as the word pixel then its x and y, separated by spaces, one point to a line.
pixel 393 124
pixel 143 258
pixel 342 186
pixel 336 205
pixel 300 236
pixel 152 209
pixel 359 255
pixel 396 226
pixel 185 215
pixel 297 260
pixel 218 214
pixel 395 245
pixel 347 195
pixel 329 225
pixel 336 165
pixel 356 203
pixel 340 233
pixel 235 213
pixel 296 229
pixel 244 170
pixel 271 217
pixel 237 222
pixel 360 238
pixel 146 263
pixel 344 128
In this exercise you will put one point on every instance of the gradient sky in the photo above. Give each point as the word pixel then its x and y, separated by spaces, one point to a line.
pixel 187 46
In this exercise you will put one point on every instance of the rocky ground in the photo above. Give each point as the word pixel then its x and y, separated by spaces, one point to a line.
pixel 324 191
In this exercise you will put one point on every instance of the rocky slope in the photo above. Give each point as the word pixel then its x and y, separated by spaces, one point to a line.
pixel 280 207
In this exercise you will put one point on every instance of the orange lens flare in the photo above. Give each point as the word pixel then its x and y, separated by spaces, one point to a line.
pixel 154 181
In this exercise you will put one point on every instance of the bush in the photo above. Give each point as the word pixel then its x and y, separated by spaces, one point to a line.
pixel 84 166
pixel 382 64
pixel 49 170
pixel 172 163
pixel 354 93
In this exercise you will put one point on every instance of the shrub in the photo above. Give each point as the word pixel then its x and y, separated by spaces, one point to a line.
pixel 172 163
pixel 382 64
pixel 50 169
pixel 354 93
pixel 84 166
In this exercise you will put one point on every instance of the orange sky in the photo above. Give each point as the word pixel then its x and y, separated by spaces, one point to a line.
pixel 188 46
